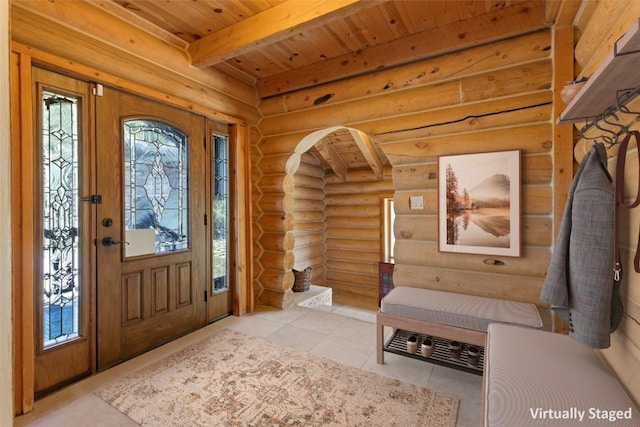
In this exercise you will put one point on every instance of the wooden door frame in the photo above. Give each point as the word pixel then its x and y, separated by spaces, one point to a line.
pixel 23 257
pixel 22 146
pixel 239 168
pixel 243 295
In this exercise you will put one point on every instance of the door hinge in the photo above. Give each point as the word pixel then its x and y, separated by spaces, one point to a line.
pixel 94 199
pixel 98 90
pixel 206 219
pixel 206 296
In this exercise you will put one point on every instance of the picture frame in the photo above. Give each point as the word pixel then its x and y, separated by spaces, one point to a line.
pixel 479 203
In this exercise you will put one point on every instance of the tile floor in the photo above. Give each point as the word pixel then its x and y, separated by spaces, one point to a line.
pixel 339 332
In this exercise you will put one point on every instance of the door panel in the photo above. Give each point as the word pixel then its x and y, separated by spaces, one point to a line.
pixel 64 266
pixel 151 237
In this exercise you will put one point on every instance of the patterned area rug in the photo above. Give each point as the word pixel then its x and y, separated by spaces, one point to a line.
pixel 231 379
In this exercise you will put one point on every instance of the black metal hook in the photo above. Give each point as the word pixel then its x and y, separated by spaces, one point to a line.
pixel 608 140
pixel 623 97
pixel 582 133
pixel 611 112
pixel 611 137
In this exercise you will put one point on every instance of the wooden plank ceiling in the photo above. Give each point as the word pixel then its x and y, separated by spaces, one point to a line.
pixel 285 45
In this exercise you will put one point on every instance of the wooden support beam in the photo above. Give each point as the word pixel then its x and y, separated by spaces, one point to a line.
pixel 271 26
pixel 562 133
pixel 514 20
pixel 564 13
pixel 329 154
pixel 369 152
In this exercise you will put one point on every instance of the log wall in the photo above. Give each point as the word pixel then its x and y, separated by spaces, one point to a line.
pixel 487 98
pixel 309 218
pixel 599 27
pixel 419 262
pixel 354 217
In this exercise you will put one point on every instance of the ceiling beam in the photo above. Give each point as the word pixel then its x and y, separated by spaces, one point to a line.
pixel 509 21
pixel 369 152
pixel 331 156
pixel 562 12
pixel 268 27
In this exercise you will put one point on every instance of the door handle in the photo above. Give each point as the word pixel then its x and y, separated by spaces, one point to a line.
pixel 108 241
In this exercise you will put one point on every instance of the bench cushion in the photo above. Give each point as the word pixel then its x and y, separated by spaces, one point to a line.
pixel 529 371
pixel 464 311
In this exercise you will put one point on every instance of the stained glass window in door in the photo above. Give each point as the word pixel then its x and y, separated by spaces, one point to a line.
pixel 220 197
pixel 60 213
pixel 156 186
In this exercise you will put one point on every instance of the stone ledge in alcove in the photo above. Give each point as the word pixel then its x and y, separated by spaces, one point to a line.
pixel 315 296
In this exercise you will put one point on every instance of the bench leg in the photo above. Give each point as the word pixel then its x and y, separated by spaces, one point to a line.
pixel 380 342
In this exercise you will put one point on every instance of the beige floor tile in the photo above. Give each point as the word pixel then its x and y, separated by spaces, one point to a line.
pixel 320 321
pixel 282 316
pixel 297 338
pixel 357 330
pixel 88 410
pixel 343 350
pixel 401 368
pixel 467 387
pixel 252 325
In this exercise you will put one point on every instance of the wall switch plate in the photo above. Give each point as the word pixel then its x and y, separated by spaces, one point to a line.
pixel 416 202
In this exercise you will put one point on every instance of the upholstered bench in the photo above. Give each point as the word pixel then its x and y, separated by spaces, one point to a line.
pixel 456 317
pixel 535 378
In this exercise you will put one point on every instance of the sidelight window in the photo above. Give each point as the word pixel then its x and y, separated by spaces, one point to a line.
pixel 220 197
pixel 61 289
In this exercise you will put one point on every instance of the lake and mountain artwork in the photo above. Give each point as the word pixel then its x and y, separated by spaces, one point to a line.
pixel 480 193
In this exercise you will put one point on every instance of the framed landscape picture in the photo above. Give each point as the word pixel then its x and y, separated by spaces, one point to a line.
pixel 479 203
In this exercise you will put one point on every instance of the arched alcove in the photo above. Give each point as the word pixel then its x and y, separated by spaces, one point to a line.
pixel 307 143
pixel 294 226
pixel 308 195
pixel 326 225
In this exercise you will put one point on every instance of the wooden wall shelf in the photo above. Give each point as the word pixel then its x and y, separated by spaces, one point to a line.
pixel 618 72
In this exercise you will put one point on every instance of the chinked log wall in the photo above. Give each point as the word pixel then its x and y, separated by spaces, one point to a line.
pixel 487 98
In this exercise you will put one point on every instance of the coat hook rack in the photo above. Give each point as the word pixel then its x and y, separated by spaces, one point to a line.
pixel 608 122
pixel 600 93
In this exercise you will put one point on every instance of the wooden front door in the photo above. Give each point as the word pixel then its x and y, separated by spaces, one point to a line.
pixel 134 223
pixel 152 236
